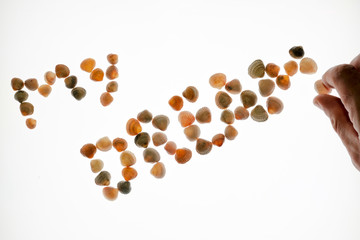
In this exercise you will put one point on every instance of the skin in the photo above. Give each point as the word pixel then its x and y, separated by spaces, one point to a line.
pixel 344 112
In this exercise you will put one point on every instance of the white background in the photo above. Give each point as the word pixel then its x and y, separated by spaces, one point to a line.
pixel 287 178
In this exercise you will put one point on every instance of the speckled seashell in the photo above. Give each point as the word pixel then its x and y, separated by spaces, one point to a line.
pixel 222 100
pixel 218 80
pixel 257 69
pixel 145 116
pixel 230 132
pixel 320 88
pixel 203 115
pixel 158 170
pixel 183 155
pixel 192 132
pixel 248 98
pixel 170 147
pixel 142 140
pixel 161 122
pixel 241 113
pixel 259 114
pixel 191 94
pixel 274 105
pixel 159 138
pixel 151 155
pixel 227 116
pixel 234 86
pixel 272 70
pixel 186 118
pixel 133 127
pixel 218 139
pixel 103 178
pixel 203 146
pixel 266 87
pixel 283 82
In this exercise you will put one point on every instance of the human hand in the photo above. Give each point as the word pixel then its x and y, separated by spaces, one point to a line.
pixel 344 112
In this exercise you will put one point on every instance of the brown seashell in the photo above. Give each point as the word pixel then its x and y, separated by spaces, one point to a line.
pixel 50 77
pixel 183 155
pixel 31 84
pixel 45 90
pixel 203 115
pixel 274 105
pixel 112 72
pixel 241 113
pixel 151 155
pixel 21 96
pixel 259 114
pixel 88 65
pixel 257 69
pixel 320 88
pixel 106 99
pixel 191 94
pixel 161 122
pixel 110 193
pixel 88 150
pixel 218 80
pixel 142 140
pixel 96 165
pixel 170 147
pixel 230 132
pixel 97 75
pixel 158 170
pixel 192 132
pixel 70 81
pixel 266 87
pixel 159 138
pixel 272 70
pixel 222 100
pixel 104 144
pixel 124 187
pixel 26 108
pixel 127 158
pixel 248 98
pixel 308 66
pixel 297 52
pixel 30 123
pixel 203 146
pixel 218 139
pixel 120 144
pixel 133 127
pixel 234 86
pixel 291 68
pixel 62 71
pixel 144 116
pixel 283 82
pixel 112 58
pixel 103 178
pixel 227 116
pixel 112 86
pixel 129 173
pixel 186 118
pixel 78 93
pixel 17 84
pixel 176 102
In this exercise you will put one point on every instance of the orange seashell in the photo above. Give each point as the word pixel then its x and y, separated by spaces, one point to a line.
pixel 88 65
pixel 230 132
pixel 191 94
pixel 283 82
pixel 218 80
pixel 186 118
pixel 110 193
pixel 97 75
pixel 272 70
pixel 170 147
pixel 241 113
pixel 176 102
pixel 291 68
pixel 129 173
pixel 133 127
pixel 274 105
pixel 218 139
pixel 183 155
pixel 158 170
pixel 88 150
pixel 203 146
pixel 120 144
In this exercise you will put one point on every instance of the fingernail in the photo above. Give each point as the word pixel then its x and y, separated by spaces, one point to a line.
pixel 316 103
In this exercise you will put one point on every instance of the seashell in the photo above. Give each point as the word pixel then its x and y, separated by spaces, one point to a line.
pixel 259 114
pixel 112 58
pixel 257 69
pixel 227 117
pixel 183 155
pixel 176 102
pixel 97 75
pixel 218 139
pixel 230 132
pixel 127 158
pixel 120 144
pixel 70 81
pixel 191 94
pixel 159 138
pixel 21 96
pixel 50 77
pixel 248 98
pixel 297 52
pixel 186 118
pixel 218 80
pixel 203 115
pixel 26 108
pixel 103 178
pixel 31 84
pixel 88 65
pixel 17 84
pixel 96 165
pixel 106 99
pixel 104 144
pixel 308 66
pixel 266 87
pixel 30 123
pixel 291 68
pixel 234 86
pixel 88 150
pixel 144 116
pixel 222 100
pixel 110 193
pixel 112 86
pixel 161 122
pixel 203 146
pixel 151 155
pixel 78 93
pixel 170 147
pixel 283 82
pixel 320 88
pixel 192 132
pixel 241 113
pixel 272 70
pixel 62 71
pixel 112 72
pixel 274 105
pixel 124 187
pixel 45 90
pixel 158 170
pixel 133 127
pixel 129 173
pixel 142 140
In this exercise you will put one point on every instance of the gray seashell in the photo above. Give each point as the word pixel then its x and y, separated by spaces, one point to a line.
pixel 259 114
pixel 257 69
